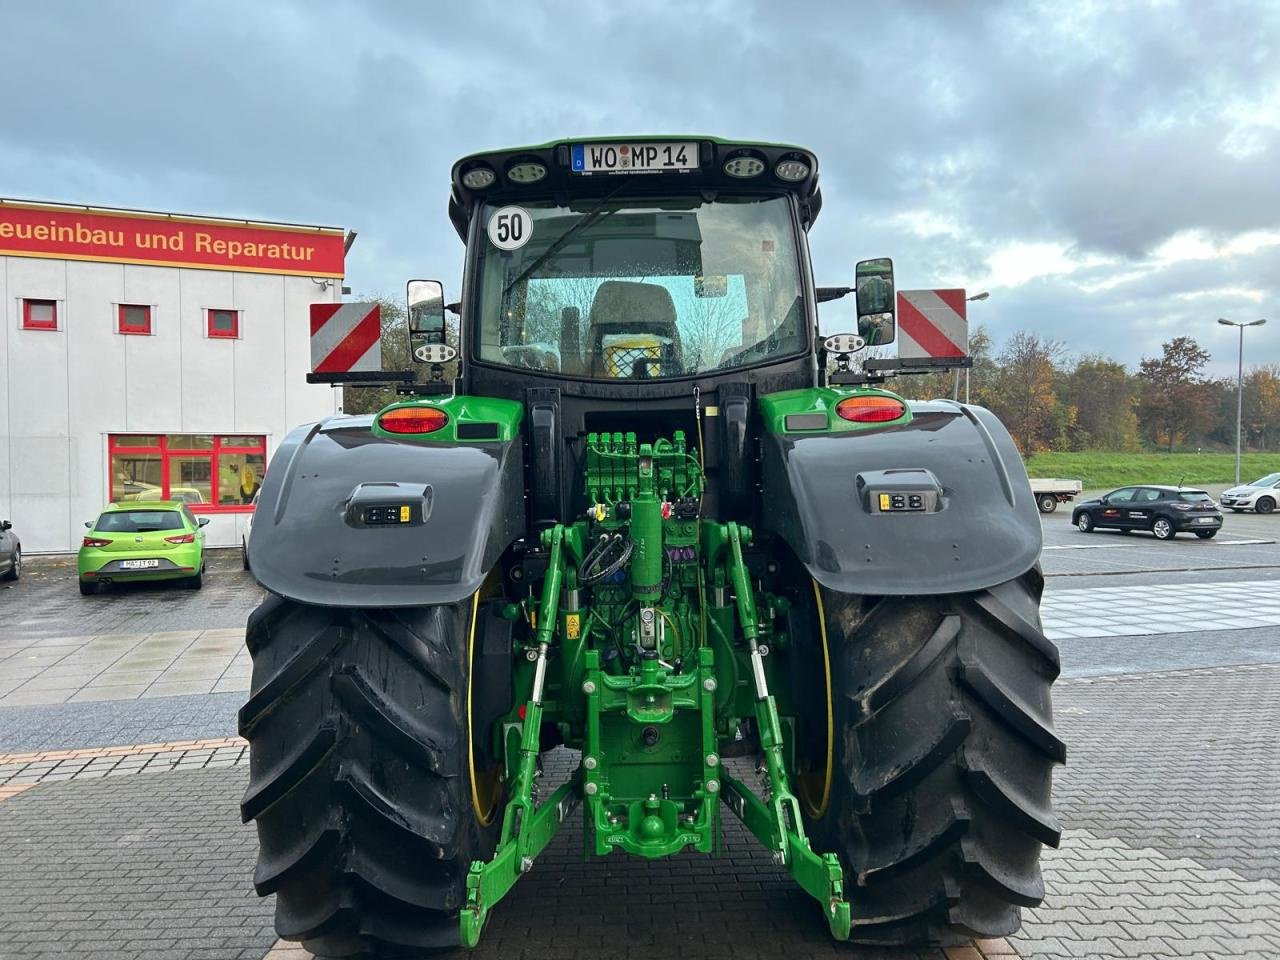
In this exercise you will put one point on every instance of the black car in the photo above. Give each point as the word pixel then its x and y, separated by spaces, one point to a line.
pixel 1165 511
pixel 10 552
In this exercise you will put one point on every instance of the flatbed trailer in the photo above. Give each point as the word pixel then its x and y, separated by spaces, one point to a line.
pixel 1052 491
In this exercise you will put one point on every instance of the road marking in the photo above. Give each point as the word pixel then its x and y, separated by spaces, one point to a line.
pixel 1142 543
pixel 27 769
pixel 1145 609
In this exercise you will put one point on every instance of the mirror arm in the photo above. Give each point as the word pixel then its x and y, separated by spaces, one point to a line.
pixel 823 294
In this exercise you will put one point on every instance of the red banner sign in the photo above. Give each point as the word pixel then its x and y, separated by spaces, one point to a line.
pixel 169 241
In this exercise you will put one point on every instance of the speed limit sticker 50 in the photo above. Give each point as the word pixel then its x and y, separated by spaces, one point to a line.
pixel 510 228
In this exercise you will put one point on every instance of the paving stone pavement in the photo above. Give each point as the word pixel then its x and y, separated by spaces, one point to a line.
pixel 1167 608
pixel 1172 849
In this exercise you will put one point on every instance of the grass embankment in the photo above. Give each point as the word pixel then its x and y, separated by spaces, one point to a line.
pixel 1102 469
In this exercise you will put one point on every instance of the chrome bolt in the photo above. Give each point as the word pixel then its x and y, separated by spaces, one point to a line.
pixel 531 655
pixel 713 786
pixel 709 684
pixel 588 687
pixel 591 789
pixel 589 762
pixel 712 759
pixel 764 649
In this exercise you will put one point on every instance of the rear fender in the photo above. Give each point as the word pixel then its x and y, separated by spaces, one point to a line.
pixel 978 526
pixel 312 539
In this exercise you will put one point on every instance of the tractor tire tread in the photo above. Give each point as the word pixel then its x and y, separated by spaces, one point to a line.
pixel 358 775
pixel 942 799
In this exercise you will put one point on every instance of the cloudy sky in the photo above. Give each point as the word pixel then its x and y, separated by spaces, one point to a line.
pixel 1110 172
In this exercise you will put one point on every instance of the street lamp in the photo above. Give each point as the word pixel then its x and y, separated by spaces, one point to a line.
pixel 1240 382
pixel 974 299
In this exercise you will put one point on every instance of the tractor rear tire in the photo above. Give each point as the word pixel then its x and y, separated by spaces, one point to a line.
pixel 359 775
pixel 943 764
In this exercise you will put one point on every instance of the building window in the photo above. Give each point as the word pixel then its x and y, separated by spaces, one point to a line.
pixel 39 314
pixel 224 324
pixel 211 473
pixel 134 318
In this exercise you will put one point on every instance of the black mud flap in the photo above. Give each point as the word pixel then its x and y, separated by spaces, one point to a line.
pixel 941 505
pixel 346 518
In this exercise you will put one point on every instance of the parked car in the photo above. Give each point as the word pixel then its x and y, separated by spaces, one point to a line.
pixel 10 552
pixel 1261 496
pixel 244 537
pixel 1165 511
pixel 161 541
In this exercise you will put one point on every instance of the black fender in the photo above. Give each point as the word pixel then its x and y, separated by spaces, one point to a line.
pixel 311 539
pixel 979 525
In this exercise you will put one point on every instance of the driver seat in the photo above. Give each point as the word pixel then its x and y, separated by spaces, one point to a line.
pixel 642 311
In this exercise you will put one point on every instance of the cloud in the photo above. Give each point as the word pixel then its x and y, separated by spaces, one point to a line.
pixel 1106 171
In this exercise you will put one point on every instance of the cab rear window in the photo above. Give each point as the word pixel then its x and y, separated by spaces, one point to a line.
pixel 139 521
pixel 1194 496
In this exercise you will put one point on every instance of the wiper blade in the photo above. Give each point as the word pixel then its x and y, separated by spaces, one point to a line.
pixel 594 215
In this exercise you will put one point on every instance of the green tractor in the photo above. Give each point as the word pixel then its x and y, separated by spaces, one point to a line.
pixel 657 520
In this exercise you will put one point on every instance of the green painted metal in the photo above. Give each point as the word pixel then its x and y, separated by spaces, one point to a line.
pixel 506 415
pixel 776 407
pixel 650 678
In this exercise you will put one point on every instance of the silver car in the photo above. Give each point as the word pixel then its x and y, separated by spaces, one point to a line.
pixel 1261 496
pixel 10 552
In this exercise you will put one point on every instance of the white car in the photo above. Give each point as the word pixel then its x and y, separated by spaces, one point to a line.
pixel 1261 495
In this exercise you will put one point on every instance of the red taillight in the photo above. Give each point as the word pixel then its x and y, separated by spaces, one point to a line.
pixel 413 420
pixel 871 408
pixel 185 538
pixel 94 542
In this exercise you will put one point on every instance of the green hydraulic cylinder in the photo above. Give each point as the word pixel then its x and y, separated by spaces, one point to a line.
pixel 646 534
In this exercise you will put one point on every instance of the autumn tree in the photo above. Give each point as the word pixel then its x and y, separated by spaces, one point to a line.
pixel 1261 416
pixel 1021 392
pixel 1176 401
pixel 1104 396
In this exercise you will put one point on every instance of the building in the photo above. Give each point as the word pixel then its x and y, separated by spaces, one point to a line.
pixel 147 356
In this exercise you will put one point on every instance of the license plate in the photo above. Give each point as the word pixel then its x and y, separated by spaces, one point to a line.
pixel 1204 519
pixel 675 156
pixel 138 564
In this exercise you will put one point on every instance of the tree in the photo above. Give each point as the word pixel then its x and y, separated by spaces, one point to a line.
pixel 1262 405
pixel 933 385
pixel 1105 399
pixel 1022 393
pixel 1176 401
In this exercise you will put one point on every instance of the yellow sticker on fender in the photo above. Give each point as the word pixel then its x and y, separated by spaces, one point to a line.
pixel 884 501
pixel 572 625
pixel 404 514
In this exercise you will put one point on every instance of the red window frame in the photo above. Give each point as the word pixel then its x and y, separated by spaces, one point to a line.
pixel 120 443
pixel 124 327
pixel 30 323
pixel 214 332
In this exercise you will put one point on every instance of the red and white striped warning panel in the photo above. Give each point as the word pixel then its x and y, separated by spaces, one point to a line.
pixel 345 337
pixel 932 323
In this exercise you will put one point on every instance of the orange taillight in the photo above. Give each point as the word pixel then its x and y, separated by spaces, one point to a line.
pixel 413 420
pixel 870 408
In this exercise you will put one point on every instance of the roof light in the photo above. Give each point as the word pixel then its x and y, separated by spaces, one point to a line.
pixel 870 408
pixel 413 420
pixel 744 167
pixel 527 172
pixel 791 170
pixel 477 178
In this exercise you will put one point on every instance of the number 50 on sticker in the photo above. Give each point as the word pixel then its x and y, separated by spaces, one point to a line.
pixel 510 228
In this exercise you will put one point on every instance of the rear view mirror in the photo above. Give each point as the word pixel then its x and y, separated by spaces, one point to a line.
pixel 88 524
pixel 6 524
pixel 874 286
pixel 425 302
pixel 203 521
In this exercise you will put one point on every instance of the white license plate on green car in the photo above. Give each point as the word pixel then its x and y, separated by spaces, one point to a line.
pixel 138 564
pixel 672 156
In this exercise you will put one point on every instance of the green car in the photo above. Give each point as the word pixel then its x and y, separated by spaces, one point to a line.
pixel 160 541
